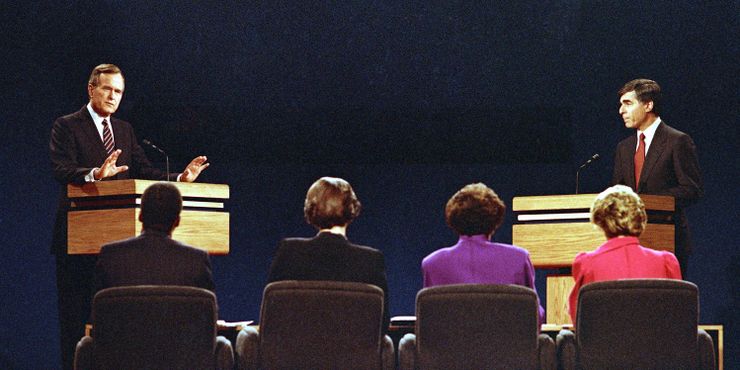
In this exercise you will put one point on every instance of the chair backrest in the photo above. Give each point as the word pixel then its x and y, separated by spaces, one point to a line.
pixel 637 324
pixel 321 325
pixel 154 327
pixel 471 326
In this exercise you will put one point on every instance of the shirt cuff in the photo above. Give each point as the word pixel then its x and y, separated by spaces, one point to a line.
pixel 90 177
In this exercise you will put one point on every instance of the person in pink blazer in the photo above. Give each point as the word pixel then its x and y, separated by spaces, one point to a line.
pixel 620 213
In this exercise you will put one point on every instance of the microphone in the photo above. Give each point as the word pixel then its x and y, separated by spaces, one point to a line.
pixel 594 157
pixel 166 157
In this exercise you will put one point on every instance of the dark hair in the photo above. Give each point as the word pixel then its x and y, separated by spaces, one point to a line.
pixel 330 201
pixel 475 209
pixel 161 204
pixel 645 90
pixel 102 69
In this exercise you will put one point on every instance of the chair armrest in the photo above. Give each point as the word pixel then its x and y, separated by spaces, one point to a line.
pixel 224 354
pixel 546 352
pixel 705 346
pixel 247 349
pixel 566 350
pixel 84 354
pixel 407 352
pixel 388 355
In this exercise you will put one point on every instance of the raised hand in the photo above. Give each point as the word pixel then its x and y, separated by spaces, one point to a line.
pixel 193 169
pixel 109 168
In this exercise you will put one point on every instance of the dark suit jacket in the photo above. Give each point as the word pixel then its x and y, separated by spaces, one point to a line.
pixel 329 256
pixel 76 148
pixel 152 258
pixel 671 168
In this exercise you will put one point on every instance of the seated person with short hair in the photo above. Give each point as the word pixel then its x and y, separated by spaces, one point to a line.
pixel 620 213
pixel 154 258
pixel 474 213
pixel 330 206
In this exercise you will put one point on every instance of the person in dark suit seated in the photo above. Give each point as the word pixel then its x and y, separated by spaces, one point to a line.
pixel 620 213
pixel 330 206
pixel 474 213
pixel 154 258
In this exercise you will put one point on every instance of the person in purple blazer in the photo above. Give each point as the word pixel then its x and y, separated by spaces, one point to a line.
pixel 474 213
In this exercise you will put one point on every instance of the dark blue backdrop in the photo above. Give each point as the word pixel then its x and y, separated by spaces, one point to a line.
pixel 408 102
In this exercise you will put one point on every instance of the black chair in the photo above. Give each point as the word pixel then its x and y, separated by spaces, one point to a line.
pixel 154 327
pixel 317 325
pixel 637 324
pixel 471 326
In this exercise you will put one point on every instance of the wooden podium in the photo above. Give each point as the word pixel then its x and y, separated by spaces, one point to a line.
pixel 105 211
pixel 554 228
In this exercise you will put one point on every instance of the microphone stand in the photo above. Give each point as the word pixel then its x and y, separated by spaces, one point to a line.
pixel 594 157
pixel 166 157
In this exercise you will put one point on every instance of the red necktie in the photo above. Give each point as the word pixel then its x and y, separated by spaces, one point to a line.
pixel 639 160
pixel 107 138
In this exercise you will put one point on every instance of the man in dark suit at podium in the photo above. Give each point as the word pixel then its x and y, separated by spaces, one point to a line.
pixel 86 146
pixel 658 159
pixel 154 258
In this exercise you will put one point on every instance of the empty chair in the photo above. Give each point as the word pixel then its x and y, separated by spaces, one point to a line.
pixel 154 327
pixel 637 324
pixel 472 326
pixel 317 325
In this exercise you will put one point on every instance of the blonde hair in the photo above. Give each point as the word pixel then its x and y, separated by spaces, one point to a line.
pixel 619 211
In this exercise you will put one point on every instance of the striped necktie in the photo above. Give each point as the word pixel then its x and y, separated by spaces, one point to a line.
pixel 108 138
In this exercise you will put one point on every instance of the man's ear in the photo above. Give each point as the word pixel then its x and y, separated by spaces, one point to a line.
pixel 141 217
pixel 90 89
pixel 649 106
pixel 176 223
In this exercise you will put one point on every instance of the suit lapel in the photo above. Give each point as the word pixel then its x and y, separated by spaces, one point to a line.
pixel 657 146
pixel 88 126
pixel 629 152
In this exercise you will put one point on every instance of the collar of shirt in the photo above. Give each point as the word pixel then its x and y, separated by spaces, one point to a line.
pixel 649 134
pixel 619 242
pixel 473 239
pixel 98 120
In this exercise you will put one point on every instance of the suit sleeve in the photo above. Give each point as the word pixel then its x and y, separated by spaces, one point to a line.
pixel 578 278
pixel 688 176
pixel 100 282
pixel 673 269
pixel 427 280
pixel 205 280
pixel 618 173
pixel 276 267
pixel 382 282
pixel 63 151
pixel 529 274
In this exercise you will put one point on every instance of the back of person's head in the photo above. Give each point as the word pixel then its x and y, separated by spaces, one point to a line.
pixel 619 211
pixel 474 210
pixel 330 201
pixel 161 204
pixel 645 91
pixel 103 69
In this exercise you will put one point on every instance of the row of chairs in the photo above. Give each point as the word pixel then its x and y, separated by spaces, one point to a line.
pixel 624 324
